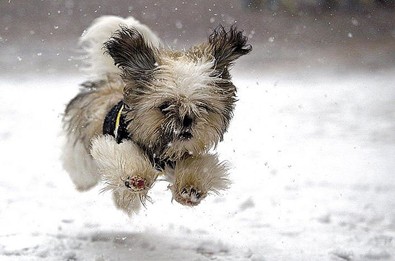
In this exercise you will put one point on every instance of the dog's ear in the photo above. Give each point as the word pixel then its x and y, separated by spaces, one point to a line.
pixel 132 54
pixel 227 46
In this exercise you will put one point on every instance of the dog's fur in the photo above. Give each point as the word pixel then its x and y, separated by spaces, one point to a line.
pixel 177 105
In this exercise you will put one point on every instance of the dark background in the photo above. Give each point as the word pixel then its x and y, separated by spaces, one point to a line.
pixel 41 36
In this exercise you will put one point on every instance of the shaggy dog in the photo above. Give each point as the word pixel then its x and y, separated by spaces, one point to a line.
pixel 149 111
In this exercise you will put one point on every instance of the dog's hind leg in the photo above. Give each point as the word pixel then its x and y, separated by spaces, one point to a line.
pixel 82 121
pixel 195 177
pixel 79 164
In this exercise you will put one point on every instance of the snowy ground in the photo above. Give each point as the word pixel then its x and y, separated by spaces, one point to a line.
pixel 313 178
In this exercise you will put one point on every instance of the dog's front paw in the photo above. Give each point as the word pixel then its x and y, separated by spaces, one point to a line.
pixel 196 177
pixel 136 183
pixel 189 195
pixel 125 170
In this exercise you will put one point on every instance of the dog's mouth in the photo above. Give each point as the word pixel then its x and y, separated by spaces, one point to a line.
pixel 185 135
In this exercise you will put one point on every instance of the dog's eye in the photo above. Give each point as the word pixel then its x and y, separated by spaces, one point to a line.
pixel 164 107
pixel 204 107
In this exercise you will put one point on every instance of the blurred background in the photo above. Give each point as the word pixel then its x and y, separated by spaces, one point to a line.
pixel 41 36
pixel 311 144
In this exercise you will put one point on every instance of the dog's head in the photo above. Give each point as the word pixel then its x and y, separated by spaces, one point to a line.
pixel 178 103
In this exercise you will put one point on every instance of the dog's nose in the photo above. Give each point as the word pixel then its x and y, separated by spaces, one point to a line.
pixel 187 122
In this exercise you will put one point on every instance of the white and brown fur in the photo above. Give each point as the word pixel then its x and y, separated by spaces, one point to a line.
pixel 177 107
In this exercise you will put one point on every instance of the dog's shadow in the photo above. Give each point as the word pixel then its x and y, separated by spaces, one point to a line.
pixel 117 245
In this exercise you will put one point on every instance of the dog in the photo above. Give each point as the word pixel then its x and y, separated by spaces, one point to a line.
pixel 147 111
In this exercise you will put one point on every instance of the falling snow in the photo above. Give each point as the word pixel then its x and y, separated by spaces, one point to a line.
pixel 310 147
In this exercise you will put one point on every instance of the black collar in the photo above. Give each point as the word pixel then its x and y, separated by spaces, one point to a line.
pixel 115 123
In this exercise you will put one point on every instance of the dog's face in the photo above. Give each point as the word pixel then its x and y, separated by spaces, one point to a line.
pixel 178 103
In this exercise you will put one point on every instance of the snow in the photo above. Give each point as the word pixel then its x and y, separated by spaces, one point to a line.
pixel 312 158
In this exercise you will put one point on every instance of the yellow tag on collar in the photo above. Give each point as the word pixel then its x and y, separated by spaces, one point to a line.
pixel 118 121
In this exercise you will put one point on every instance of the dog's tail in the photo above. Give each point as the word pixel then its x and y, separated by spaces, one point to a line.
pixel 97 64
